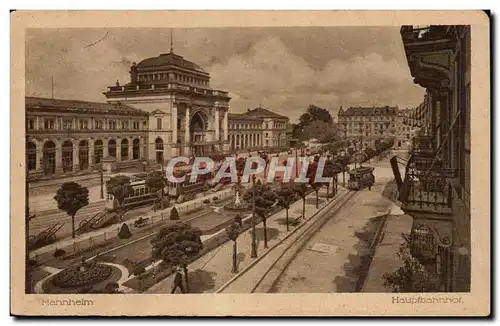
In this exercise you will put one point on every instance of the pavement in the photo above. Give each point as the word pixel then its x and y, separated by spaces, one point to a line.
pixel 211 271
pixel 385 259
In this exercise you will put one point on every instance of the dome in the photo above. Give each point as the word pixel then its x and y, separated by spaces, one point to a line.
pixel 169 59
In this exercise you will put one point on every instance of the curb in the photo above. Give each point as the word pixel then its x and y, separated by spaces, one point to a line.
pixel 377 239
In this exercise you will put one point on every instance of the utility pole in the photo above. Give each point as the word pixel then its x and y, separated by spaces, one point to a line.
pixel 102 183
pixel 254 237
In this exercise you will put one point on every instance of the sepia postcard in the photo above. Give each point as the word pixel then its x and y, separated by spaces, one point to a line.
pixel 250 163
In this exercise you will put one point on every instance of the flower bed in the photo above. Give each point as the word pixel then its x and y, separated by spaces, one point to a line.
pixel 86 278
pixel 82 275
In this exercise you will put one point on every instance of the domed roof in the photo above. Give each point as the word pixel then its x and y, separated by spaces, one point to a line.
pixel 167 59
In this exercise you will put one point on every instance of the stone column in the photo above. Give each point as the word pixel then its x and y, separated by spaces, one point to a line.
pixel 186 125
pixel 225 124
pixel 141 149
pixel 173 123
pixel 105 151
pixel 217 127
pixel 118 149
pixel 130 148
pixel 91 153
pixel 58 158
pixel 76 157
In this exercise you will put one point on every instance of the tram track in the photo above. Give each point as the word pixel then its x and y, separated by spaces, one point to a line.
pixel 282 253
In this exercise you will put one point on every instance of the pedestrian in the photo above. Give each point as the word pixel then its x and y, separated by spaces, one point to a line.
pixel 178 281
pixel 371 182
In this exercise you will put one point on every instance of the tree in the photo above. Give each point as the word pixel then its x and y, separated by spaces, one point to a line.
pixel 119 186
pixel 263 204
pixel 124 232
pixel 233 231
pixel 328 132
pixel 174 214
pixel 70 198
pixel 157 183
pixel 286 195
pixel 412 275
pixel 315 113
pixel 301 191
pixel 177 245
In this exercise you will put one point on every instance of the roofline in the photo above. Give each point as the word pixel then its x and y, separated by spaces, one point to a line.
pixel 131 110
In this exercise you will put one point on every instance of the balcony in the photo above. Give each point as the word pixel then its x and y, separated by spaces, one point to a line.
pixel 427 189
pixel 429 52
pixel 162 86
pixel 422 146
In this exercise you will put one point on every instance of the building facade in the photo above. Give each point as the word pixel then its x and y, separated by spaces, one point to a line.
pixel 405 128
pixel 66 136
pixel 245 132
pixel 258 128
pixel 189 116
pixel 367 125
pixel 435 190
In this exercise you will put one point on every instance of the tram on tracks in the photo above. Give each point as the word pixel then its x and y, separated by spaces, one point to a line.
pixel 361 177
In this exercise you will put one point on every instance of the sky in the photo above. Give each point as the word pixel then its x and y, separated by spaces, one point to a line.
pixel 282 69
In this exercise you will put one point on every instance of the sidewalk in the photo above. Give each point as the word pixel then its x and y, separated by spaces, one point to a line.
pixel 385 259
pixel 210 272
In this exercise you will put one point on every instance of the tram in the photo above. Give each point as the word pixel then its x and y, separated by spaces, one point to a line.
pixel 361 177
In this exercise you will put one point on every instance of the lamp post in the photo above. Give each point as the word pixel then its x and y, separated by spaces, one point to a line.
pixel 254 238
pixel 342 153
pixel 296 163
pixel 102 183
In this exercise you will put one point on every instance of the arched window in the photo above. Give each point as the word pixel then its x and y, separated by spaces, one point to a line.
pixel 98 151
pixel 31 156
pixel 83 155
pixel 112 148
pixel 124 150
pixel 49 158
pixel 136 149
pixel 67 156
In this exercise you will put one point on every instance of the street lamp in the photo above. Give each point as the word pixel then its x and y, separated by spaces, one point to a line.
pixel 102 183
pixel 254 238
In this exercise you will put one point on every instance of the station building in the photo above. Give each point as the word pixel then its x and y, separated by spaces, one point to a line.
pixel 167 109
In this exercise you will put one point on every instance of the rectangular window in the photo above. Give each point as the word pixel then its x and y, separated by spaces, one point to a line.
pixel 158 123
pixel 49 124
pixel 98 124
pixel 84 124
pixel 67 124
pixel 144 125
pixel 124 124
pixel 31 124
pixel 112 125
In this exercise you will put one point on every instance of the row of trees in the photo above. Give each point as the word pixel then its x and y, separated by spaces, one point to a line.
pixel 71 196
